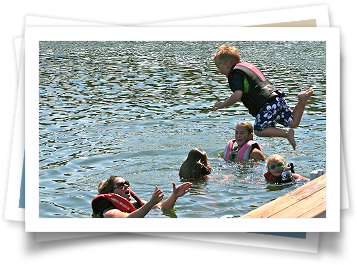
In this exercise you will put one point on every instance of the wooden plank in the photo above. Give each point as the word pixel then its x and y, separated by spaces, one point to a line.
pixel 315 212
pixel 305 199
pixel 303 206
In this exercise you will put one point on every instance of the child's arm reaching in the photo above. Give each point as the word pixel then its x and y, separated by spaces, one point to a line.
pixel 237 95
pixel 297 176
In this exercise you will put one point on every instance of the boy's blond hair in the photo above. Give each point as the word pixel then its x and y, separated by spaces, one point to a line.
pixel 247 125
pixel 275 156
pixel 227 54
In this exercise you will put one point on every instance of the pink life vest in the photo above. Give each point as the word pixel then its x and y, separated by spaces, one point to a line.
pixel 243 153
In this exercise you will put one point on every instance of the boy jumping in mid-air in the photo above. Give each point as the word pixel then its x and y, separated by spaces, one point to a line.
pixel 259 96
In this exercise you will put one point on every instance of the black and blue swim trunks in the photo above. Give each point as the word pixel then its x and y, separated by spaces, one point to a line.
pixel 275 111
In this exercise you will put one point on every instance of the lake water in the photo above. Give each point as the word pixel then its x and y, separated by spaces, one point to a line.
pixel 135 109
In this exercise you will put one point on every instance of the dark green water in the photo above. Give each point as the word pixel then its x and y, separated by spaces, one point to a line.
pixel 136 109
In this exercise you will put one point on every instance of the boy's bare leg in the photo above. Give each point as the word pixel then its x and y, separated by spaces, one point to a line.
pixel 297 115
pixel 300 107
pixel 276 132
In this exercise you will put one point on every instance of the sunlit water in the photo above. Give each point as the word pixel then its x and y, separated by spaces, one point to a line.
pixel 136 109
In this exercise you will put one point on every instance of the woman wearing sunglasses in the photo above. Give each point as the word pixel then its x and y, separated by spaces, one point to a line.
pixel 115 196
pixel 280 172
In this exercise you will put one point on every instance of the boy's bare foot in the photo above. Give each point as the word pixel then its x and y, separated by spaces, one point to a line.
pixel 304 96
pixel 290 137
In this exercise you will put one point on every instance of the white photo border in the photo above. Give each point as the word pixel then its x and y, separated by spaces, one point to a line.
pixel 36 34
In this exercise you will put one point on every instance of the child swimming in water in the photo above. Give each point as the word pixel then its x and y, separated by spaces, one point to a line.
pixel 196 166
pixel 246 147
pixel 280 172
pixel 259 96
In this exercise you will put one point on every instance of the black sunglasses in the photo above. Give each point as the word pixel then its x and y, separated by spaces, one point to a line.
pixel 121 184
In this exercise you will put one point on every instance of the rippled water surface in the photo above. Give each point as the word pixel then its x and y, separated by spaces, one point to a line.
pixel 136 109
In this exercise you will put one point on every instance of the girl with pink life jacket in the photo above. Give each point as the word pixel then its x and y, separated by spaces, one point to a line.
pixel 114 199
pixel 246 147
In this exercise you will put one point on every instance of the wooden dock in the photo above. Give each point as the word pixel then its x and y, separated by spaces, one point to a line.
pixel 307 201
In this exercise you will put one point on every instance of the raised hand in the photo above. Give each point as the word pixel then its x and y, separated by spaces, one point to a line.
pixel 182 189
pixel 157 195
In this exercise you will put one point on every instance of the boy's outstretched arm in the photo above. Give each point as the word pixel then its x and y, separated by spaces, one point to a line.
pixel 234 98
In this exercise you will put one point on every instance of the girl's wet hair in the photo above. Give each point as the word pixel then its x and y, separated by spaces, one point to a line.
pixel 107 186
pixel 195 166
pixel 247 125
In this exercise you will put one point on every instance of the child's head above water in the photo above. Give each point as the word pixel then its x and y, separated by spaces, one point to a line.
pixel 275 164
pixel 227 54
pixel 243 133
pixel 196 165
pixel 225 58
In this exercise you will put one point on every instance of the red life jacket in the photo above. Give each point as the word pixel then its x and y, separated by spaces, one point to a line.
pixel 269 177
pixel 260 92
pixel 103 201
